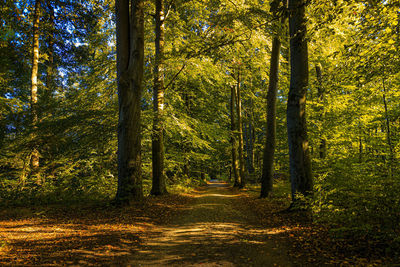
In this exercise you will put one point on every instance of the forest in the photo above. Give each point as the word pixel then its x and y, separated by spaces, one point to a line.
pixel 129 119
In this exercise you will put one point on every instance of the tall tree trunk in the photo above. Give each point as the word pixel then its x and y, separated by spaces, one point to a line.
pixel 249 140
pixel 360 147
pixel 235 162
pixel 242 171
pixel 130 60
pixel 300 165
pixel 322 140
pixel 50 78
pixel 270 143
pixel 388 130
pixel 34 82
pixel 159 186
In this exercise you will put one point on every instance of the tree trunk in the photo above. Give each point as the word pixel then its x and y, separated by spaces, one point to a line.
pixel 235 162
pixel 270 143
pixel 240 129
pixel 50 78
pixel 130 60
pixel 322 140
pixel 249 140
pixel 34 82
pixel 388 130
pixel 159 186
pixel 300 165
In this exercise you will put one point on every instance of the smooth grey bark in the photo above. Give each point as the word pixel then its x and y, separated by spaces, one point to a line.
pixel 158 186
pixel 130 60
pixel 235 162
pixel 270 143
pixel 299 154
pixel 34 81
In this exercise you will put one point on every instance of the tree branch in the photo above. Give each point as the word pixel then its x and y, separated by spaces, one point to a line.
pixel 175 76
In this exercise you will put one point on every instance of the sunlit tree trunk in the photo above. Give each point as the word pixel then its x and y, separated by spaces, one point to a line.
pixel 159 186
pixel 130 59
pixel 300 165
pixel 235 162
pixel 242 171
pixel 34 83
pixel 270 143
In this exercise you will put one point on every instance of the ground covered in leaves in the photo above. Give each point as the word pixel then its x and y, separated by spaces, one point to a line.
pixel 212 226
pixel 81 235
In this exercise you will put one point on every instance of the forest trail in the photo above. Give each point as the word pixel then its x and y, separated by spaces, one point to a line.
pixel 212 231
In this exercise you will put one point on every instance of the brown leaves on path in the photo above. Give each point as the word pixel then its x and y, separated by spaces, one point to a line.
pixel 82 235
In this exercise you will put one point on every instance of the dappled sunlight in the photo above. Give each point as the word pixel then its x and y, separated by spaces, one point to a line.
pixel 216 195
pixel 214 232
pixel 84 236
pixel 67 243
pixel 206 242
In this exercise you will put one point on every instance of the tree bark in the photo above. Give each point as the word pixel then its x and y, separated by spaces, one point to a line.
pixel 159 186
pixel 34 82
pixel 388 130
pixel 242 172
pixel 300 165
pixel 130 60
pixel 235 162
pixel 50 78
pixel 270 143
pixel 249 141
pixel 320 91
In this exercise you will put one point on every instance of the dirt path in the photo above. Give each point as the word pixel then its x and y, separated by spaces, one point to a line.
pixel 214 231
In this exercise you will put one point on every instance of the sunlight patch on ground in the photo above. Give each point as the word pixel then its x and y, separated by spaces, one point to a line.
pixel 216 195
pixel 37 237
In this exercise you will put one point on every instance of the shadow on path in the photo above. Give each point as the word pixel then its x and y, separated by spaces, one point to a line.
pixel 213 231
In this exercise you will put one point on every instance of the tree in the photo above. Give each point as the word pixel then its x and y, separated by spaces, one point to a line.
pixel 242 170
pixel 270 143
pixel 300 165
pixel 34 83
pixel 320 94
pixel 130 61
pixel 234 160
pixel 159 186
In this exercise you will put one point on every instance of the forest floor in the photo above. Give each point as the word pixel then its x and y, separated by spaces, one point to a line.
pixel 213 225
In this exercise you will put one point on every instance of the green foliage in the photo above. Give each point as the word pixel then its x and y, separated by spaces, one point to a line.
pixel 358 201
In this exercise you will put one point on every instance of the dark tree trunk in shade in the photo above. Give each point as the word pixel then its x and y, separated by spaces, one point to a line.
pixel 299 155
pixel 270 143
pixel 249 140
pixel 130 60
pixel 388 130
pixel 235 162
pixel 159 185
